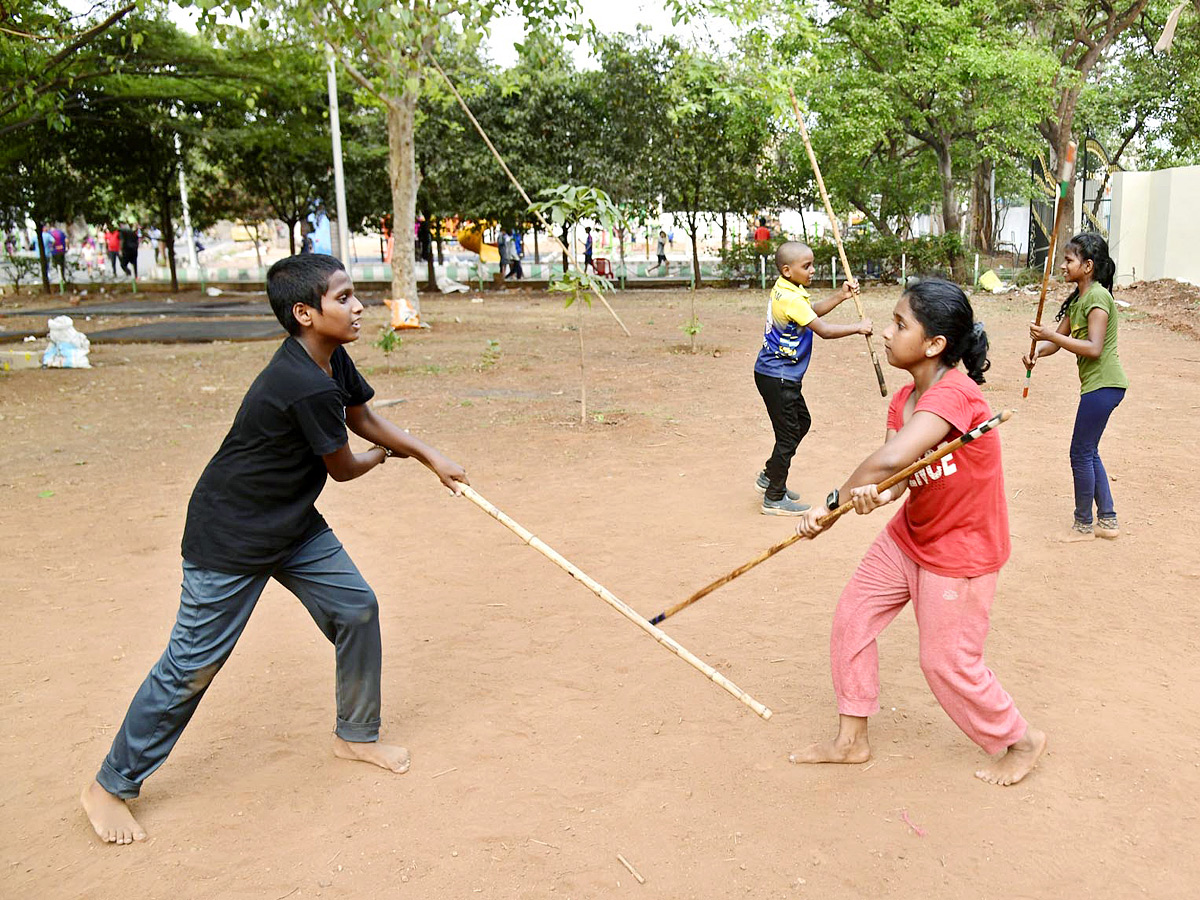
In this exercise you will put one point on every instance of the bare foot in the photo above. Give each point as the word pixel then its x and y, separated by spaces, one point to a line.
pixel 850 745
pixel 1017 762
pixel 834 751
pixel 110 816
pixel 386 756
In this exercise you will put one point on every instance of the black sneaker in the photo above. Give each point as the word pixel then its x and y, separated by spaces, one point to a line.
pixel 761 483
pixel 785 506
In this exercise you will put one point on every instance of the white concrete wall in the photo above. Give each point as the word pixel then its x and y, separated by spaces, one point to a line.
pixel 1156 225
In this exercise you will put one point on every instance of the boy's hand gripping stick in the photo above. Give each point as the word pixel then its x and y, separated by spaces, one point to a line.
pixel 837 236
pixel 1064 179
pixel 831 517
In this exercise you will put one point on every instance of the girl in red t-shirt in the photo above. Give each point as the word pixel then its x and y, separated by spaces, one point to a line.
pixel 943 549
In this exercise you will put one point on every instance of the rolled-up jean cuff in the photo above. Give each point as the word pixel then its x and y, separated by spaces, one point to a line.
pixel 116 783
pixel 860 708
pixel 358 732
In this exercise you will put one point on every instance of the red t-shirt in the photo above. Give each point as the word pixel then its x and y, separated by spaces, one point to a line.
pixel 112 240
pixel 762 234
pixel 954 521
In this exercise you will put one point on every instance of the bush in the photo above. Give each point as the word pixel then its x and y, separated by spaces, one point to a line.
pixel 878 256
pixel 20 268
pixel 871 255
pixel 741 260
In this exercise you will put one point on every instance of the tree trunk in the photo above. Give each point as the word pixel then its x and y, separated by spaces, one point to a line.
pixel 621 235
pixel 724 233
pixel 566 236
pixel 437 236
pixel 42 258
pixel 430 274
pixel 582 374
pixel 168 230
pixel 291 224
pixel 951 219
pixel 402 176
pixel 982 208
pixel 693 230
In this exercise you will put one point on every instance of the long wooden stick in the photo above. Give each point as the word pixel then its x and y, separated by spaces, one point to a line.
pixel 517 184
pixel 837 235
pixel 1065 171
pixel 836 514
pixel 612 600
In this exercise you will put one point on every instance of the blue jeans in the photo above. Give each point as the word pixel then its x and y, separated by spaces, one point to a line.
pixel 1091 481
pixel 213 611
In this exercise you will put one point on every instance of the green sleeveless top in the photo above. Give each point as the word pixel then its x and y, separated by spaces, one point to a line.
pixel 1105 371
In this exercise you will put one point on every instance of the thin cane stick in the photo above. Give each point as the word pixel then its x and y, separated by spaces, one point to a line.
pixel 837 235
pixel 517 184
pixel 612 600
pixel 1065 172
pixel 836 514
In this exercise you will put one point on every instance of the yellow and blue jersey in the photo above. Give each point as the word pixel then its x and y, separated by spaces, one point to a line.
pixel 787 341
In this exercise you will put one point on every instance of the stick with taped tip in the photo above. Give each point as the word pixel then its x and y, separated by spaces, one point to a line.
pixel 612 600
pixel 837 236
pixel 831 517
pixel 1065 172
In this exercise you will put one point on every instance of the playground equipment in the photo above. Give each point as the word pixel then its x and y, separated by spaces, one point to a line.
pixel 470 237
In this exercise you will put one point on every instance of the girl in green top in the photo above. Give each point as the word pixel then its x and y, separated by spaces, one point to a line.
pixel 1087 327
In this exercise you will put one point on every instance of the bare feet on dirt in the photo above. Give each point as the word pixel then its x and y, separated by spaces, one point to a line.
pixel 1017 762
pixel 110 816
pixel 386 756
pixel 850 746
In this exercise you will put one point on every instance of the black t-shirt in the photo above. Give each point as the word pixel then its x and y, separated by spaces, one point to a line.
pixel 253 505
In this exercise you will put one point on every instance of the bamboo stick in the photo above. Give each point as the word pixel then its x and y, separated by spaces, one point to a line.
pixel 1065 171
pixel 612 600
pixel 837 236
pixel 517 184
pixel 834 515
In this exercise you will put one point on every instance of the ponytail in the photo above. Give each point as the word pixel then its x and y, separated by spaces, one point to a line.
pixel 975 358
pixel 1090 246
pixel 943 309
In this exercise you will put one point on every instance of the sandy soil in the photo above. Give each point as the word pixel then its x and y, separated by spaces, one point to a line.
pixel 548 733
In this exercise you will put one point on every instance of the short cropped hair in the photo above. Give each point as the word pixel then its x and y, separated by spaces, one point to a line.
pixel 788 253
pixel 303 278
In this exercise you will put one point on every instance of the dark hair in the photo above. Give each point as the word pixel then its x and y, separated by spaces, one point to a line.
pixel 788 252
pixel 299 279
pixel 943 309
pixel 1090 246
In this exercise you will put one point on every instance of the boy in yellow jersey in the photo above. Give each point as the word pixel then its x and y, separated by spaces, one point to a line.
pixel 792 319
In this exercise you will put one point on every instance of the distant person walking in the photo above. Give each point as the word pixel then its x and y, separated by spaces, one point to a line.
pixel 587 250
pixel 58 247
pixel 112 241
pixel 662 254
pixel 515 252
pixel 45 251
pixel 129 249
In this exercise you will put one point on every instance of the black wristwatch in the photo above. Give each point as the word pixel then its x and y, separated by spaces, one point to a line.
pixel 833 501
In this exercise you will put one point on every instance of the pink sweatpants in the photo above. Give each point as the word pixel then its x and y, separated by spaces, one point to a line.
pixel 952 618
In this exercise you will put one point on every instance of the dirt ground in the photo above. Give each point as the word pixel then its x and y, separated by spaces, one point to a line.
pixel 548 733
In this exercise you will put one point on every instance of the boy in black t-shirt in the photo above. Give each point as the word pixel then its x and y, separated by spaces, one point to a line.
pixel 251 518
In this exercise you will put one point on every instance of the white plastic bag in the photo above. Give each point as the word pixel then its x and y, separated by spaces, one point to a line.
pixel 68 348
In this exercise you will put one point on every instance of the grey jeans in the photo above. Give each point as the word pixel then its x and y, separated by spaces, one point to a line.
pixel 213 611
